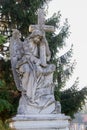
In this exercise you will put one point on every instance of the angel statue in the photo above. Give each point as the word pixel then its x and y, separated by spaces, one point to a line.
pixel 32 78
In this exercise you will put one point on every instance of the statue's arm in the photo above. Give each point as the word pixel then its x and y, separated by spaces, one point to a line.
pixel 28 49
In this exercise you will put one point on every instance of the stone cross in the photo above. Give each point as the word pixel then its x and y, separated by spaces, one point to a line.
pixel 43 28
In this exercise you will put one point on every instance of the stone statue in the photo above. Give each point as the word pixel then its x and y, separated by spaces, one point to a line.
pixel 32 73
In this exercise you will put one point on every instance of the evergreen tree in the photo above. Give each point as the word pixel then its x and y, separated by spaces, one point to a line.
pixel 20 14
pixel 70 99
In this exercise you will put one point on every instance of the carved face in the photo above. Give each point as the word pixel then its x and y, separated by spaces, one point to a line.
pixel 37 39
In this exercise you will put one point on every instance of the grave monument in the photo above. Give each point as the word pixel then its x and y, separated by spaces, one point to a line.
pixel 33 76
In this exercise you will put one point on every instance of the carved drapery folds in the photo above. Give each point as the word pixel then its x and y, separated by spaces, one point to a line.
pixel 32 73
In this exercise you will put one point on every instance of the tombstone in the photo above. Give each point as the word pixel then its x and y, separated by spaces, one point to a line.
pixel 33 76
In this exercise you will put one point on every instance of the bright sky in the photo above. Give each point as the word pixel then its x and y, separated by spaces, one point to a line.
pixel 76 12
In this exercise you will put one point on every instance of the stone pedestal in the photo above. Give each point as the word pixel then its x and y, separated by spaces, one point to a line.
pixel 40 122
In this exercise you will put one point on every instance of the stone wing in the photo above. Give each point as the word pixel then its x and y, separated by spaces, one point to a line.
pixel 14 55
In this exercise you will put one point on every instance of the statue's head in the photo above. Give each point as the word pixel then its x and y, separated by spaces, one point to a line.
pixel 16 33
pixel 36 35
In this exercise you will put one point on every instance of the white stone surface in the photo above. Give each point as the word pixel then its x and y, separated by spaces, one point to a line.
pixel 32 73
pixel 40 122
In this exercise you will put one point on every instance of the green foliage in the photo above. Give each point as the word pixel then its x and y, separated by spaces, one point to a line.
pixel 72 99
pixel 21 14
pixel 57 41
pixel 4 105
pixel 4 126
pixel 9 96
pixel 2 39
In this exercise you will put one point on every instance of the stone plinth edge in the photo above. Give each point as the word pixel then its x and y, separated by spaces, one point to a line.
pixel 40 122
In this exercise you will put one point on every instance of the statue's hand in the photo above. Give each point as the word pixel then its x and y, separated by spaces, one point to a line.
pixel 49 69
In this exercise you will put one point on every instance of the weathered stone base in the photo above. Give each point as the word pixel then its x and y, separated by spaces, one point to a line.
pixel 40 122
